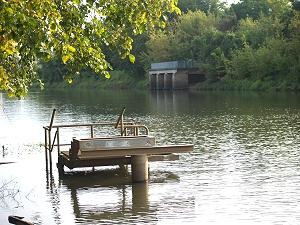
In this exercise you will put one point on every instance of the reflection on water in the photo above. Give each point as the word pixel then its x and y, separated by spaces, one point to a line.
pixel 245 168
pixel 105 195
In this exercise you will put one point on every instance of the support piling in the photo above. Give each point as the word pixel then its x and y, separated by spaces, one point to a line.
pixel 139 168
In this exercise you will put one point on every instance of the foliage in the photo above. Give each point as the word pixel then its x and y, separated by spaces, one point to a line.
pixel 158 49
pixel 90 80
pixel 256 32
pixel 295 4
pixel 206 6
pixel 251 8
pixel 52 71
pixel 74 30
pixel 257 51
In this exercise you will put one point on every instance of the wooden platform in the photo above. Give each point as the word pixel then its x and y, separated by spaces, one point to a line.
pixel 133 147
pixel 121 156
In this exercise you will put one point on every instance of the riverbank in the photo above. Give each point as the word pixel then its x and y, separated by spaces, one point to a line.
pixel 122 80
pixel 246 85
pixel 117 80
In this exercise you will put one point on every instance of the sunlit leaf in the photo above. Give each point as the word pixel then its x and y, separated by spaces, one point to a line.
pixel 131 58
pixel 8 51
pixel 65 58
pixel 107 75
pixel 10 11
pixel 71 49
pixel 10 94
pixel 123 56
pixel 177 10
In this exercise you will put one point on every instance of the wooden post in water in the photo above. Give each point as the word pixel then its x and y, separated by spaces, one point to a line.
pixel 139 168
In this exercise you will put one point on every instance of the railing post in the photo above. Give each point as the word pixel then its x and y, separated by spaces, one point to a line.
pixel 92 131
pixel 58 144
pixel 50 127
pixel 121 119
pixel 46 151
pixel 122 126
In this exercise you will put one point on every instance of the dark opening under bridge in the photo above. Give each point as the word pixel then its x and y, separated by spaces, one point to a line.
pixel 174 75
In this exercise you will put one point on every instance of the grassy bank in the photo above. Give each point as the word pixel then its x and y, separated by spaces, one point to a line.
pixel 246 85
pixel 117 80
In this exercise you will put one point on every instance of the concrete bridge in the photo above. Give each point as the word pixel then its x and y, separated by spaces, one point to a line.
pixel 174 75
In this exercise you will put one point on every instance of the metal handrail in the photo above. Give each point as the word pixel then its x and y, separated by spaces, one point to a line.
pixel 91 125
pixel 50 144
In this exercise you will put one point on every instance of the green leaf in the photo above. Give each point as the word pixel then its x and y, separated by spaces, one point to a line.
pixel 123 56
pixel 10 11
pixel 53 27
pixel 131 58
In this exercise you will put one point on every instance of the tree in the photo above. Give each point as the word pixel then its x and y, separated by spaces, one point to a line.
pixel 52 71
pixel 207 6
pixel 72 29
pixel 251 8
pixel 158 49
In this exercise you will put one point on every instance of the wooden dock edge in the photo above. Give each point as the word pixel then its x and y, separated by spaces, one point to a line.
pixel 129 151
pixel 113 161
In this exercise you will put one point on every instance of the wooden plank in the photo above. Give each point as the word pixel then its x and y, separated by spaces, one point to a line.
pixel 168 157
pixel 100 162
pixel 126 160
pixel 152 150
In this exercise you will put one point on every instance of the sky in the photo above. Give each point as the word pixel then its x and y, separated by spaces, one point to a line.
pixel 230 1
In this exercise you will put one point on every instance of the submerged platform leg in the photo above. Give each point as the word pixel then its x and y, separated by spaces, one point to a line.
pixel 139 168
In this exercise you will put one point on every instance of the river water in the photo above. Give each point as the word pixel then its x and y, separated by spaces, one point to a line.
pixel 245 167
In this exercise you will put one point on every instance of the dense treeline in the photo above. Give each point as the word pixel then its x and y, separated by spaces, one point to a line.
pixel 249 45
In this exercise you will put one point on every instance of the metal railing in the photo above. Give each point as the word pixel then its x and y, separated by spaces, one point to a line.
pixel 126 129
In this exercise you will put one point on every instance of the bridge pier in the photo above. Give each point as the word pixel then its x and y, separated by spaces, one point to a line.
pixel 168 81
pixel 160 81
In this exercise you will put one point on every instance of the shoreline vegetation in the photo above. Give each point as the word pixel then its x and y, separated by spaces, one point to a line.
pixel 122 80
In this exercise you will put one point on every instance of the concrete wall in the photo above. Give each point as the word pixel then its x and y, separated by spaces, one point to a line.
pixel 180 80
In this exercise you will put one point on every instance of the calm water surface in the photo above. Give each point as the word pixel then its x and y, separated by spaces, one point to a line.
pixel 245 167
